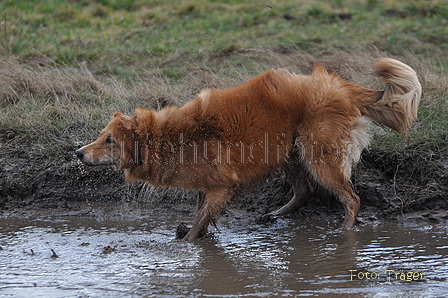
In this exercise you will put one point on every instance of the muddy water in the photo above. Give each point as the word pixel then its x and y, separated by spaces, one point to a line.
pixel 137 257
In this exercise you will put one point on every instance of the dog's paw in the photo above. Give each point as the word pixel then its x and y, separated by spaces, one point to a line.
pixel 182 230
pixel 266 218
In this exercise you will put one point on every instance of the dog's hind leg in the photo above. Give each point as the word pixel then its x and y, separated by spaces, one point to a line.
pixel 298 175
pixel 330 155
pixel 333 178
pixel 300 188
pixel 351 203
pixel 213 203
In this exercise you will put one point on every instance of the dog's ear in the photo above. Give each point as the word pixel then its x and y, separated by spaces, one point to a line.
pixel 128 122
pixel 319 70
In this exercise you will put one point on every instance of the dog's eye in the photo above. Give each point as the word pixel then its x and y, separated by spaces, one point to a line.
pixel 109 140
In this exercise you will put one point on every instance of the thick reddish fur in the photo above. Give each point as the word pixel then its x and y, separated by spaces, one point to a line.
pixel 224 138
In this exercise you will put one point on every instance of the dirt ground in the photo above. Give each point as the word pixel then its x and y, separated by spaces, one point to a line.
pixel 403 186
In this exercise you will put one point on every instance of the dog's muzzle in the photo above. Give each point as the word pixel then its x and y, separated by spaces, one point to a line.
pixel 80 154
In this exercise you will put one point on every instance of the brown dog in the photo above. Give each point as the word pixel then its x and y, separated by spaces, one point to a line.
pixel 224 138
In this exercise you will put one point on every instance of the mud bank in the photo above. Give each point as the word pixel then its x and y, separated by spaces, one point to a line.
pixel 403 185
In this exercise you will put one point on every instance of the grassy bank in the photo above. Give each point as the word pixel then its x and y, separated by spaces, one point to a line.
pixel 66 66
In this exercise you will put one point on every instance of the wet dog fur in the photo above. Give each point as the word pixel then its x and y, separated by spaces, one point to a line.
pixel 225 138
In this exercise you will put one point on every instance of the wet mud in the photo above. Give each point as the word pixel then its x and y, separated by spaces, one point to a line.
pixel 410 184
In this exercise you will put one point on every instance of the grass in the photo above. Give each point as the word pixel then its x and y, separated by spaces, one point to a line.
pixel 130 31
pixel 65 66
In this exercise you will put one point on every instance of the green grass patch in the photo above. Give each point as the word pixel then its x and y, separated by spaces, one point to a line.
pixel 70 31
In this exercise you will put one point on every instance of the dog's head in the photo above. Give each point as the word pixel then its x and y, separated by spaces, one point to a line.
pixel 114 146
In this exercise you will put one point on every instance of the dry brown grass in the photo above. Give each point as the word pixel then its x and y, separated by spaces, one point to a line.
pixel 20 83
pixel 48 104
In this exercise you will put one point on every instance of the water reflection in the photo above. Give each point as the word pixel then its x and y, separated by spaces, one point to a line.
pixel 287 258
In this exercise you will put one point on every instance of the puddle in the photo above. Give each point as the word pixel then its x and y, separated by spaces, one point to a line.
pixel 139 258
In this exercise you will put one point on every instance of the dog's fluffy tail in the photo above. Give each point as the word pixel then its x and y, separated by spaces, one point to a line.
pixel 398 105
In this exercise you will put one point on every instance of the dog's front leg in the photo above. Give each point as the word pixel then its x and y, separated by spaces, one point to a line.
pixel 213 204
pixel 200 202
